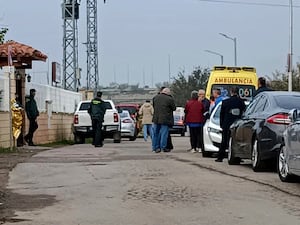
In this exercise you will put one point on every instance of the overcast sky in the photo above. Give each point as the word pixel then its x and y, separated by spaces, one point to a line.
pixel 136 36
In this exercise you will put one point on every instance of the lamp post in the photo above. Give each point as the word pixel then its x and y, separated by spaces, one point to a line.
pixel 234 42
pixel 290 55
pixel 216 53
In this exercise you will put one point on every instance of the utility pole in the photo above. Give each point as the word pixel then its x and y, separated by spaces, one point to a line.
pixel 70 9
pixel 290 55
pixel 92 46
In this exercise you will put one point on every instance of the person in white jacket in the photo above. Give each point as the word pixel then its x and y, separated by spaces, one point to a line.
pixel 147 111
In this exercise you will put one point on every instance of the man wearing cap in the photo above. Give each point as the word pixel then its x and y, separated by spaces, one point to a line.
pixel 97 110
pixel 32 113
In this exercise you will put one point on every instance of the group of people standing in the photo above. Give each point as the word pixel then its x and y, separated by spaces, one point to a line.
pixel 157 120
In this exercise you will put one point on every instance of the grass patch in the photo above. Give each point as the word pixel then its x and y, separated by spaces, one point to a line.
pixel 8 150
pixel 57 144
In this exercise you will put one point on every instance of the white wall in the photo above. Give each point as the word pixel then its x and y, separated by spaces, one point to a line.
pixel 62 101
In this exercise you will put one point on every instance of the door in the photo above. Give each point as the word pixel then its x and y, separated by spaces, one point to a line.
pixel 293 136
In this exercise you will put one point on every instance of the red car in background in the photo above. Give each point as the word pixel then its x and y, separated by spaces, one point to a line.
pixel 133 109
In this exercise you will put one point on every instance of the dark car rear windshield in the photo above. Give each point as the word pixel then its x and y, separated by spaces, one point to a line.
pixel 86 105
pixel 288 101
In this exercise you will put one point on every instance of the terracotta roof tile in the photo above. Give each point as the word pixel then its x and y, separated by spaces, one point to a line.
pixel 21 54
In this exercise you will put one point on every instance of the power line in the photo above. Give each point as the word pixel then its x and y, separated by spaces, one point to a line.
pixel 248 3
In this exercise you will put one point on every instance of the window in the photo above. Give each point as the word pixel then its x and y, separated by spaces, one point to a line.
pixel 288 101
pixel 260 106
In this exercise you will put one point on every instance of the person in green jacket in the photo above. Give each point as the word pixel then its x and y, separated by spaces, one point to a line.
pixel 97 110
pixel 32 113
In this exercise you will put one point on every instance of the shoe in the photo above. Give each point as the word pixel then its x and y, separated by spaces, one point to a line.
pixel 157 151
pixel 26 139
pixel 98 146
pixel 199 150
pixel 194 151
pixel 166 150
pixel 219 160
pixel 31 144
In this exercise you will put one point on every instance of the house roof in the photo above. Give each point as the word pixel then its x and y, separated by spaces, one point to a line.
pixel 22 55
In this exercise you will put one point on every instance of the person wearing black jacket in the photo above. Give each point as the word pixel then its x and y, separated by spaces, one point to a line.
pixel 32 113
pixel 231 110
pixel 262 86
pixel 97 110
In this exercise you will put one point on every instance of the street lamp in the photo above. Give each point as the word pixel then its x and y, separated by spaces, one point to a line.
pixel 216 53
pixel 234 42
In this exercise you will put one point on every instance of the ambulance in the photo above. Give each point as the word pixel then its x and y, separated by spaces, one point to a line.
pixel 223 78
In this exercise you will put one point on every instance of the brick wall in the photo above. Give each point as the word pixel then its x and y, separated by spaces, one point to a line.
pixel 57 128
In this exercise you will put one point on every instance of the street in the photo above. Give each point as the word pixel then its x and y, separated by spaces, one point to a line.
pixel 127 184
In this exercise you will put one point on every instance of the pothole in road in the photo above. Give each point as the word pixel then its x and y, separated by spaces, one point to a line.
pixel 166 195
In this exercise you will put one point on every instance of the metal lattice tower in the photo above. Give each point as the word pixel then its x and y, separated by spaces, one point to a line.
pixel 71 75
pixel 92 46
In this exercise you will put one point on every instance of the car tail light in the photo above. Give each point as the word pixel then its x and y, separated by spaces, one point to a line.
pixel 180 122
pixel 280 118
pixel 116 118
pixel 76 119
pixel 126 121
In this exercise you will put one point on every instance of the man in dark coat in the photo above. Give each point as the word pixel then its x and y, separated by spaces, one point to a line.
pixel 164 106
pixel 97 110
pixel 231 110
pixel 262 86
pixel 32 113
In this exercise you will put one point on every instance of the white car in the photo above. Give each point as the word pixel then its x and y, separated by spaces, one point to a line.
pixel 212 133
pixel 82 124
pixel 128 125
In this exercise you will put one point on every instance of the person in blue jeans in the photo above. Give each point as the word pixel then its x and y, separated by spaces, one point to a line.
pixel 146 111
pixel 164 105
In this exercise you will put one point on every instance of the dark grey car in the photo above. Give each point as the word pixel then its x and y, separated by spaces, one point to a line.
pixel 289 154
pixel 258 135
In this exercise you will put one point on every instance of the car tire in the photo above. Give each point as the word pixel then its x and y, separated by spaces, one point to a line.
pixel 79 139
pixel 283 166
pixel 206 154
pixel 182 133
pixel 232 160
pixel 117 137
pixel 257 163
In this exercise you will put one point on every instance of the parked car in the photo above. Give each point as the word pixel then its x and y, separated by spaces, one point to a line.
pixel 289 153
pixel 179 126
pixel 133 109
pixel 128 125
pixel 258 135
pixel 82 124
pixel 212 133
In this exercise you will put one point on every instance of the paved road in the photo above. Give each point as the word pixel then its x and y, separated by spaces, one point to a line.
pixel 127 184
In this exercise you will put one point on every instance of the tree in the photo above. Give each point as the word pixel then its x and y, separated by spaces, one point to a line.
pixel 279 82
pixel 3 32
pixel 182 86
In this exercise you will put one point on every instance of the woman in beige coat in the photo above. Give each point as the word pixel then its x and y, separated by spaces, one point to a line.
pixel 147 111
